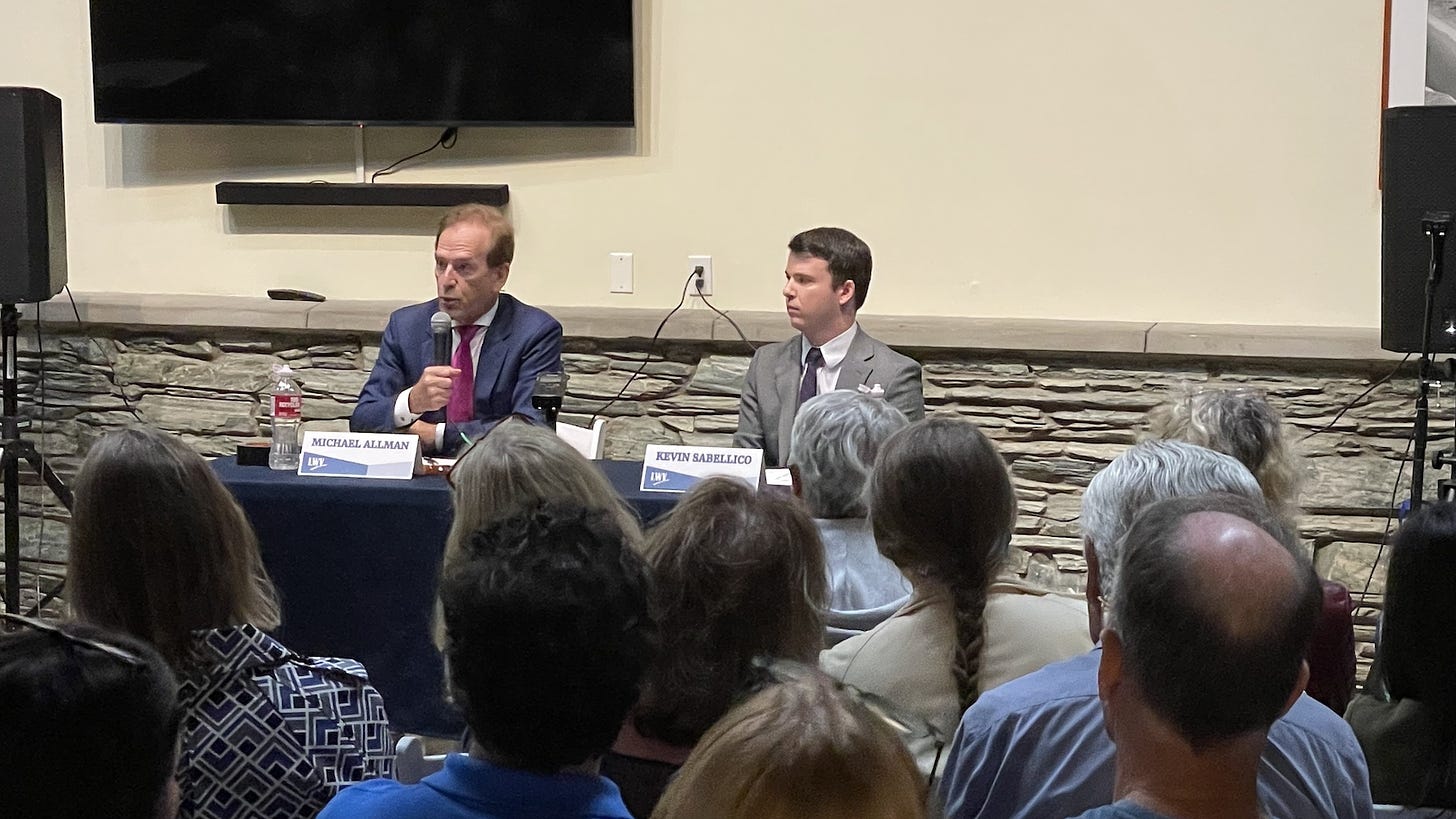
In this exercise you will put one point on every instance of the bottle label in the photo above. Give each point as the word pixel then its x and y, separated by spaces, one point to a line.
pixel 287 407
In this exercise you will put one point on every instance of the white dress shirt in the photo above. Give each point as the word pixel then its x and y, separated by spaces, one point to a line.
pixel 402 415
pixel 834 351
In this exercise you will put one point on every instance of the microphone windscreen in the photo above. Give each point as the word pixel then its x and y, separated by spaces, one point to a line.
pixel 440 322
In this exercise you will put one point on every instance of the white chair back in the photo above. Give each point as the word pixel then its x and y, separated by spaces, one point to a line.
pixel 589 442
pixel 1402 812
pixel 411 764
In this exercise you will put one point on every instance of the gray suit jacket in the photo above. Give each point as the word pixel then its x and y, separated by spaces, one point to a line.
pixel 771 389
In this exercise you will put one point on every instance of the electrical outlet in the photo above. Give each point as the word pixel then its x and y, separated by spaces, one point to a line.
pixel 705 279
pixel 621 270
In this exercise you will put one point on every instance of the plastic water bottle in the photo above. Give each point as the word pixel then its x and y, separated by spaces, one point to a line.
pixel 287 416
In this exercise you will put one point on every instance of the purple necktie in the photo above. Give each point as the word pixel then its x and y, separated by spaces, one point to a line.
pixel 809 387
pixel 462 392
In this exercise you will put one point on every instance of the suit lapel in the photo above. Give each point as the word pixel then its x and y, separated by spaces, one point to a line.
pixel 493 351
pixel 787 378
pixel 858 363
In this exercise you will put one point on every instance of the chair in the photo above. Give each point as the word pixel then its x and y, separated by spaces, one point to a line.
pixel 589 442
pixel 1402 812
pixel 411 764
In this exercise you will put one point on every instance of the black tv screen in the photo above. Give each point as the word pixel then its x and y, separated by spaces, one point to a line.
pixel 439 62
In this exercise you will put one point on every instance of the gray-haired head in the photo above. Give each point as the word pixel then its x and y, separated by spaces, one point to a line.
pixel 835 440
pixel 1149 472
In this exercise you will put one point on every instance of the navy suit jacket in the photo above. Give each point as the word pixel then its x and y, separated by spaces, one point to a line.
pixel 522 343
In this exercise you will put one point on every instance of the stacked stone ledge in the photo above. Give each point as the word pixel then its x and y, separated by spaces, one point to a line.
pixel 1057 417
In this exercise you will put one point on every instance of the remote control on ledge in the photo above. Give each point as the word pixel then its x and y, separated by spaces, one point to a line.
pixel 289 294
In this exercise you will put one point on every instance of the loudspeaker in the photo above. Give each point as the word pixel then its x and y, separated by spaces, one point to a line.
pixel 32 197
pixel 1418 171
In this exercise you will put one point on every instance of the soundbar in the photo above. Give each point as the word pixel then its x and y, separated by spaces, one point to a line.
pixel 359 194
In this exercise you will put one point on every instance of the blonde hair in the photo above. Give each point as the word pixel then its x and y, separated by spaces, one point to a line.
pixel 1242 424
pixel 519 466
pixel 159 548
pixel 801 749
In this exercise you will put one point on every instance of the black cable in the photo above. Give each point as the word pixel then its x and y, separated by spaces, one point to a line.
pixel 699 284
pixel 1349 406
pixel 1385 536
pixel 650 345
pixel 80 325
pixel 446 142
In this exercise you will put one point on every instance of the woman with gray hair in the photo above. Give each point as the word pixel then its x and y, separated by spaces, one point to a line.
pixel 836 438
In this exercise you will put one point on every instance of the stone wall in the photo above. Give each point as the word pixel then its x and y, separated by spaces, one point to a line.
pixel 1058 418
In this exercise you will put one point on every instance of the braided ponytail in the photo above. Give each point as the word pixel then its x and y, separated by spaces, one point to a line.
pixel 942 507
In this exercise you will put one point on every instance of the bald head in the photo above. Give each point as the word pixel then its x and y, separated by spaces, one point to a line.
pixel 1245 578
pixel 1214 615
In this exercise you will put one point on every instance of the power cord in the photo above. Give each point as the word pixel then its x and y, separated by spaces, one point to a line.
pixel 698 283
pixel 1347 407
pixel 445 142
pixel 651 345
pixel 104 357
pixel 1385 536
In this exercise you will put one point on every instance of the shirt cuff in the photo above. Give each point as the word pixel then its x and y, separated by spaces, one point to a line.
pixel 402 415
pixel 439 436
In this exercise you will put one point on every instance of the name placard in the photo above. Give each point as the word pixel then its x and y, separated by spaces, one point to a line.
pixel 358 455
pixel 677 468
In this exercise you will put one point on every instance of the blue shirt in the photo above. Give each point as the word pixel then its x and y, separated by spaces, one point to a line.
pixel 1036 747
pixel 470 788
pixel 1121 810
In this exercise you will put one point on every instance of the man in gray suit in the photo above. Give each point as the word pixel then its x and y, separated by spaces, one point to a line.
pixel 826 280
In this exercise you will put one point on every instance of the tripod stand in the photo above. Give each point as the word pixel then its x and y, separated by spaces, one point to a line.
pixel 12 451
pixel 1435 224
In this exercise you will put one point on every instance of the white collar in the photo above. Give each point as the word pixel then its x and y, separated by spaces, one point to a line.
pixel 487 317
pixel 834 350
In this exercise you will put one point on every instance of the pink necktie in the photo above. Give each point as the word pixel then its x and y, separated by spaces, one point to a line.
pixel 462 392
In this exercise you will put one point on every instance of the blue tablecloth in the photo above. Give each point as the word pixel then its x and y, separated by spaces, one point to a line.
pixel 355 562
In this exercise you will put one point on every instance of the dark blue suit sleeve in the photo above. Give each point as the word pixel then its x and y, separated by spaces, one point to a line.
pixel 375 410
pixel 540 353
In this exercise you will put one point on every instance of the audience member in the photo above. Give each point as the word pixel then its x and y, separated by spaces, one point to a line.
pixel 500 344
pixel 942 508
pixel 1037 747
pixel 827 277
pixel 520 466
pixel 1203 651
pixel 736 575
pixel 801 748
pixel 161 551
pixel 1406 719
pixel 548 632
pixel 1243 424
pixel 1240 423
pixel 836 438
pixel 88 725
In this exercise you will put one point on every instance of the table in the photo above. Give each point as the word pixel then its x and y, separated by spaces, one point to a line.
pixel 355 563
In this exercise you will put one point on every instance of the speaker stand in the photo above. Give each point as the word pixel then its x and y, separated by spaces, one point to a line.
pixel 12 451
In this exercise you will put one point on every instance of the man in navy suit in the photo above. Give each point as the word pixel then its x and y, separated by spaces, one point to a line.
pixel 498 344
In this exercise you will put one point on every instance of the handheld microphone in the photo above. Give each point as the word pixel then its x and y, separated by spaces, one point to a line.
pixel 440 329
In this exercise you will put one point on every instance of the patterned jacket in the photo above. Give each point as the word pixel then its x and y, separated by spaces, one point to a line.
pixel 268 733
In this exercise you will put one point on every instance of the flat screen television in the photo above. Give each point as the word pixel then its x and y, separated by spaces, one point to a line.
pixel 415 62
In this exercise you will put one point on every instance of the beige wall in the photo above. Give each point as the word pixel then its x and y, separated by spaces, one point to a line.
pixel 1138 160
